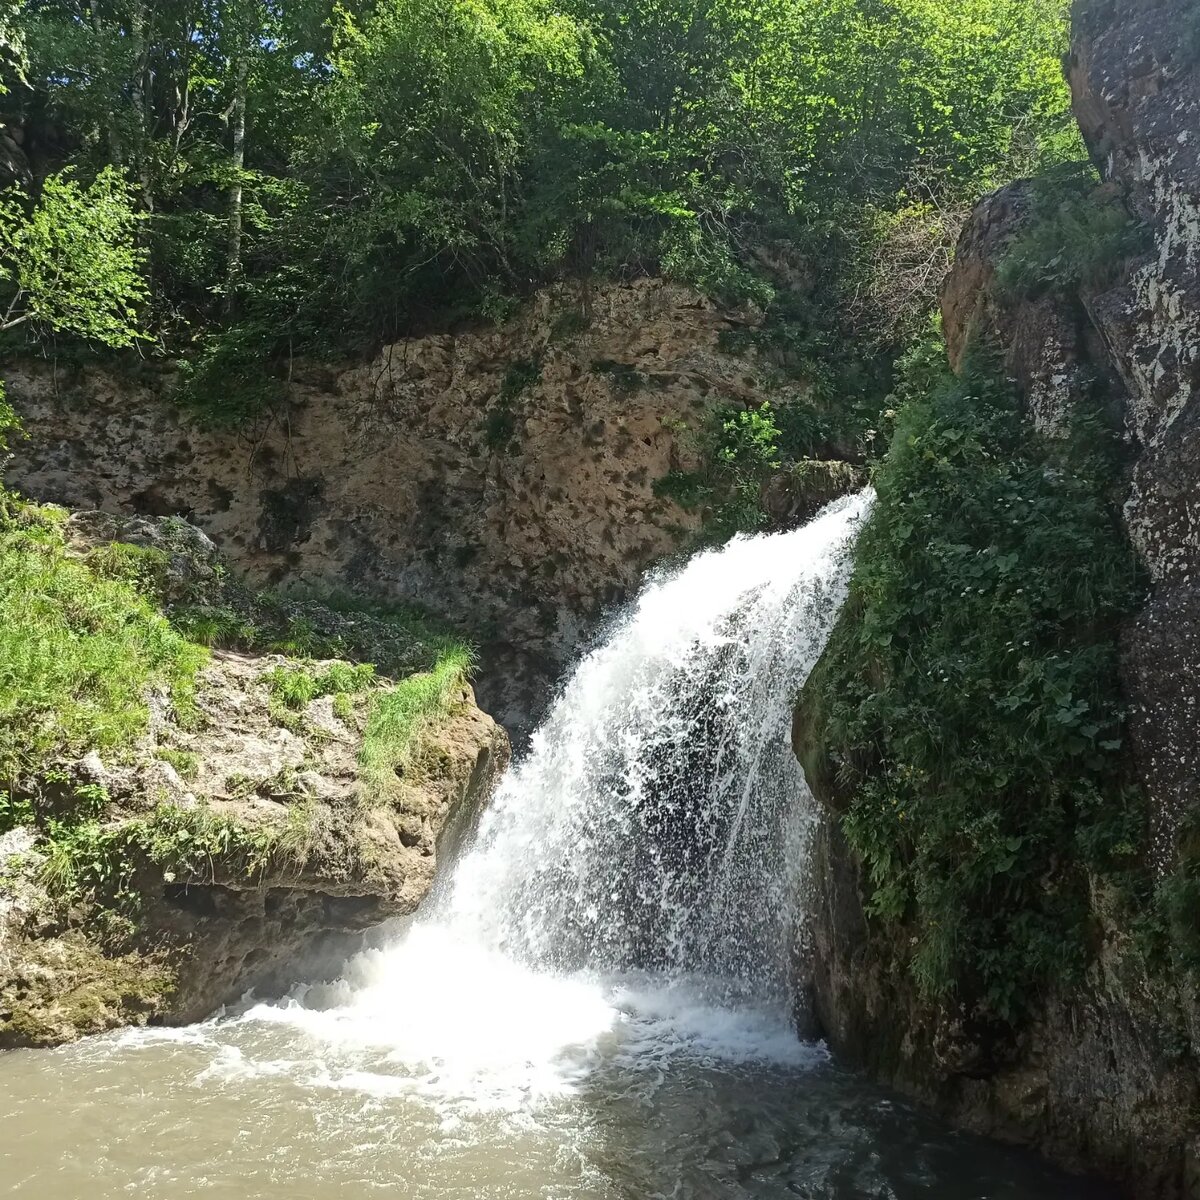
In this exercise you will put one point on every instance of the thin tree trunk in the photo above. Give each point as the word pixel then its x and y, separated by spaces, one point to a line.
pixel 142 103
pixel 114 136
pixel 233 267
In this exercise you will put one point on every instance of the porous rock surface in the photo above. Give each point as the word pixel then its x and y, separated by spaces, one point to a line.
pixel 504 476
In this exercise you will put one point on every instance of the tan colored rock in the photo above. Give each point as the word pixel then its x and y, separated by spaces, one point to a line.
pixel 413 476
pixel 307 856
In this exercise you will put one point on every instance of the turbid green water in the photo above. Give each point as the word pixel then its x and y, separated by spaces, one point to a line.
pixel 484 1082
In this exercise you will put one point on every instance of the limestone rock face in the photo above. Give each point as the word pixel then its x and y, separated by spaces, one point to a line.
pixel 502 477
pixel 299 858
pixel 1135 79
pixel 1107 1076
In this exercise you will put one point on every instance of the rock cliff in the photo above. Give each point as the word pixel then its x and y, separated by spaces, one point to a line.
pixel 238 839
pixel 503 477
pixel 1107 1074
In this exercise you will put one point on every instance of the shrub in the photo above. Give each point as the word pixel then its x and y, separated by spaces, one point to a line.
pixel 968 701
pixel 1077 235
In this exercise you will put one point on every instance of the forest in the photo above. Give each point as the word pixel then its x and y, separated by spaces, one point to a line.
pixel 234 182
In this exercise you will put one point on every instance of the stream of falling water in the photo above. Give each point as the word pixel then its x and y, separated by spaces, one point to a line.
pixel 595 1001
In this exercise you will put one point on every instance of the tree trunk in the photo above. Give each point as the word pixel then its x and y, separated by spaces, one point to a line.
pixel 142 102
pixel 237 116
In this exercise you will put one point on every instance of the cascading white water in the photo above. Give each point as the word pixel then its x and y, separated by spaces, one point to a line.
pixel 647 855
pixel 659 821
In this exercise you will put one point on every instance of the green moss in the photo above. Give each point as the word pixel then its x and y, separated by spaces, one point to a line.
pixel 966 717
pixel 67 987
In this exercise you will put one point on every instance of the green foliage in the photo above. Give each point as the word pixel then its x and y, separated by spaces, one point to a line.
pixel 296 686
pixel 968 701
pixel 739 451
pixel 1076 235
pixel 71 265
pixel 87 860
pixel 142 567
pixel 321 177
pixel 397 717
pixel 78 651
pixel 185 762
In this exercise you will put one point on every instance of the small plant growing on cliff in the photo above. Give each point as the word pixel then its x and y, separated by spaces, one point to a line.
pixel 397 717
pixel 740 450
pixel 1077 236
pixel 78 651
pixel 142 567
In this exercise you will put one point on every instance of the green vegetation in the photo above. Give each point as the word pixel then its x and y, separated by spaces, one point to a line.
pixel 397 716
pixel 296 686
pixel 312 177
pixel 87 860
pixel 69 261
pixel 966 716
pixel 1076 236
pixel 79 651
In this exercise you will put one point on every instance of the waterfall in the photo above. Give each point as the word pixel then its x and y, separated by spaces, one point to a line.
pixel 660 820
pixel 643 867
pixel 592 1004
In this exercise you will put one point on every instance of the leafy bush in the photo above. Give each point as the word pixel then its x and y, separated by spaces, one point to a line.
pixel 740 450
pixel 1076 235
pixel 966 712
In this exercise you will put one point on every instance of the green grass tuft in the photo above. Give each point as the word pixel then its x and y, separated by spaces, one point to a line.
pixel 398 716
pixel 79 650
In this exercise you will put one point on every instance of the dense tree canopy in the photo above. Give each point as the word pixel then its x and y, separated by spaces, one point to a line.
pixel 332 172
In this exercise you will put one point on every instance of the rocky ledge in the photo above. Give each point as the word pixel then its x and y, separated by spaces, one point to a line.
pixel 241 836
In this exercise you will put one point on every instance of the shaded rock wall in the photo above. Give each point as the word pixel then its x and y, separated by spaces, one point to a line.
pixel 421 475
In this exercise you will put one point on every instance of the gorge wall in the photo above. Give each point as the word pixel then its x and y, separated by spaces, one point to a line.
pixel 1107 1075
pixel 503 478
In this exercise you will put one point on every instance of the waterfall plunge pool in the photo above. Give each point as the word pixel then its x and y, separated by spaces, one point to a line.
pixel 593 1004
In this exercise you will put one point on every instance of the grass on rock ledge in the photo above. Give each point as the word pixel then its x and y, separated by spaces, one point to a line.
pixel 88 640
pixel 79 651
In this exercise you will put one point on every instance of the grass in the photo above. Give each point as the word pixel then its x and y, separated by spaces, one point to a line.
pixel 79 651
pixel 83 645
pixel 398 716
pixel 99 862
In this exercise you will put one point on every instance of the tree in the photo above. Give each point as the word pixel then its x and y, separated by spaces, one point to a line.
pixel 72 264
